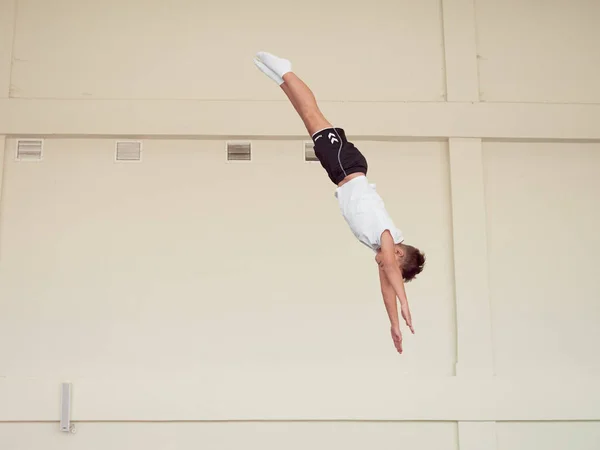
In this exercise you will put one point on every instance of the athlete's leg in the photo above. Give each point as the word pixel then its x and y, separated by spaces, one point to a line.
pixel 299 94
pixel 305 103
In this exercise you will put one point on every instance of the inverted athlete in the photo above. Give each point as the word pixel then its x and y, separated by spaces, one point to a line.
pixel 362 207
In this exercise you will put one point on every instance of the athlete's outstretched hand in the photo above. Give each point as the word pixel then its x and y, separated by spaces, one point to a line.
pixel 405 311
pixel 397 338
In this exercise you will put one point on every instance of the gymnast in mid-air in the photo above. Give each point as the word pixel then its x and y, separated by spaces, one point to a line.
pixel 360 204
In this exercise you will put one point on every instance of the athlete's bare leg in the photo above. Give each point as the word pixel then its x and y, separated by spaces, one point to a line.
pixel 299 94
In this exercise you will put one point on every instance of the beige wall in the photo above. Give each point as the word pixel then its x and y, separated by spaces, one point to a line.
pixel 532 51
pixel 264 435
pixel 543 215
pixel 195 302
pixel 185 254
pixel 140 45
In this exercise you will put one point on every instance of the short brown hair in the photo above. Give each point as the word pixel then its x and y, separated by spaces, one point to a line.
pixel 412 263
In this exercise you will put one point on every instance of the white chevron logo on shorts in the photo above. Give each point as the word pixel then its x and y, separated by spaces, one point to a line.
pixel 332 138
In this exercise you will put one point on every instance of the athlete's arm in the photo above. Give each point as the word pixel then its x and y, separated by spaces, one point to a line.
pixel 390 267
pixel 389 300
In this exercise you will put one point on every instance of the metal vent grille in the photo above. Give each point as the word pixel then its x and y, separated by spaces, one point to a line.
pixel 128 151
pixel 237 151
pixel 29 149
pixel 309 152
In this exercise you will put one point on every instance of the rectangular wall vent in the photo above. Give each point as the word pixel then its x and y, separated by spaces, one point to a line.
pixel 309 152
pixel 29 149
pixel 128 151
pixel 239 151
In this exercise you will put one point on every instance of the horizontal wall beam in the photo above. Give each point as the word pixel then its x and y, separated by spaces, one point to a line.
pixel 300 394
pixel 172 118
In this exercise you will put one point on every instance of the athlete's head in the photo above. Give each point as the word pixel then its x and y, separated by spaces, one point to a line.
pixel 411 261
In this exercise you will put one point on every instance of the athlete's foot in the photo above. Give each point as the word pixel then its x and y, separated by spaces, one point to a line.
pixel 277 66
pixel 268 72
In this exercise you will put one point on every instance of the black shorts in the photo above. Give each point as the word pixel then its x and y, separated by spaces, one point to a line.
pixel 338 157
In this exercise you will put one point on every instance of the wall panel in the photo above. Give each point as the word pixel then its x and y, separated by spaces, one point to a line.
pixel 184 261
pixel 549 436
pixel 538 51
pixel 204 50
pixel 229 436
pixel 542 220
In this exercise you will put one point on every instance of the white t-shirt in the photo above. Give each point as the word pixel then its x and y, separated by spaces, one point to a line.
pixel 364 211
